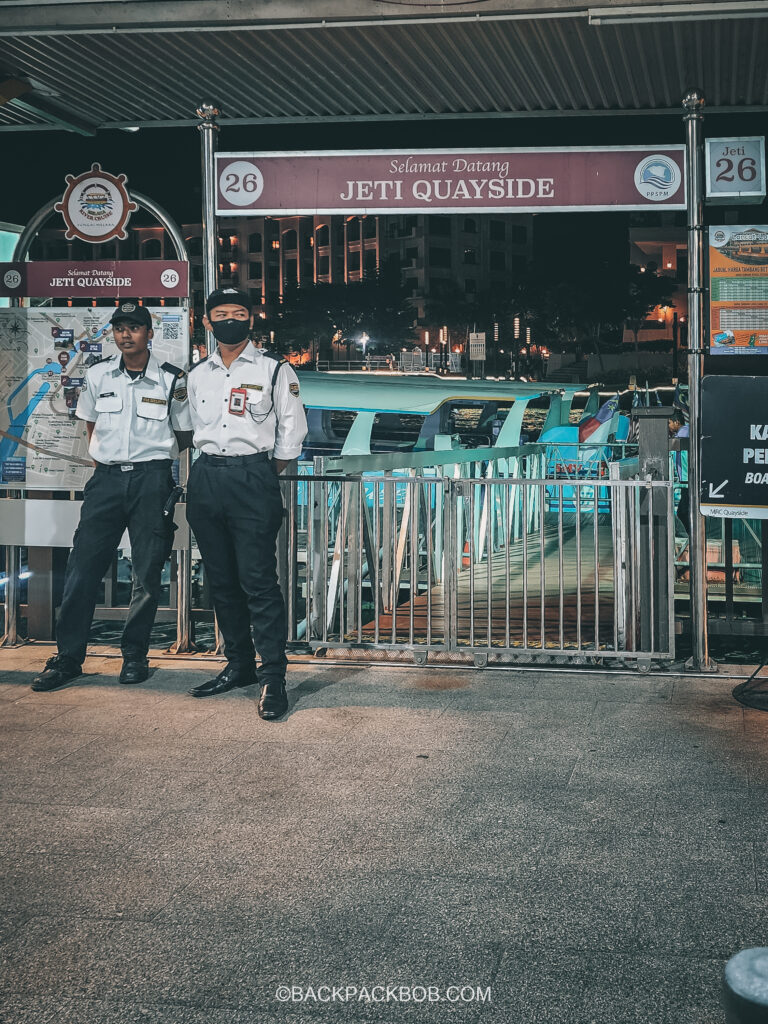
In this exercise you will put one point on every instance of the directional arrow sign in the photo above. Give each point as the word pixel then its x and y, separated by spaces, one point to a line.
pixel 717 492
pixel 734 440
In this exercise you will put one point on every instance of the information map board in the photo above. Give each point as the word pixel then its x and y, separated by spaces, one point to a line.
pixel 738 272
pixel 44 352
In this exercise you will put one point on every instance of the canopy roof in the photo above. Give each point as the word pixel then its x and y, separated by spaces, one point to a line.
pixel 420 395
pixel 91 64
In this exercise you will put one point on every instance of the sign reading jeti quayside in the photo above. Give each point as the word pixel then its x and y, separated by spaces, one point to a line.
pixel 451 181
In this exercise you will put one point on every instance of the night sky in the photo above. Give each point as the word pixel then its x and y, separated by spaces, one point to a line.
pixel 165 165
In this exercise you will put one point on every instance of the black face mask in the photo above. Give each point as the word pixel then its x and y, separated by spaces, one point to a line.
pixel 230 332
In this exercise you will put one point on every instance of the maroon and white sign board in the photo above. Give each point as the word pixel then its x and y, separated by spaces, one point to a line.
pixel 107 278
pixel 451 181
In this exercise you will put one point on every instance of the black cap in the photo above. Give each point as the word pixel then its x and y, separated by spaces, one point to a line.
pixel 130 310
pixel 228 296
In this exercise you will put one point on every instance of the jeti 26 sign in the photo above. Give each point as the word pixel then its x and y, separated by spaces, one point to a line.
pixel 451 181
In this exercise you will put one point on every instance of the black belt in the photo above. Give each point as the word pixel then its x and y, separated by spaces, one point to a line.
pixel 134 467
pixel 233 460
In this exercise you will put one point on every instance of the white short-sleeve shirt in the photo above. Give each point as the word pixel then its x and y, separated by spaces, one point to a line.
pixel 259 418
pixel 134 419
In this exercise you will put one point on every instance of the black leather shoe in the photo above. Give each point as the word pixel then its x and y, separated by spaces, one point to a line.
pixel 135 670
pixel 229 679
pixel 58 670
pixel 274 700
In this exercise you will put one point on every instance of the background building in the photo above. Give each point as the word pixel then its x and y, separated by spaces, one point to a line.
pixel 659 241
pixel 266 256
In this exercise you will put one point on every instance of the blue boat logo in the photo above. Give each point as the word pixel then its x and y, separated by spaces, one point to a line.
pixel 657 178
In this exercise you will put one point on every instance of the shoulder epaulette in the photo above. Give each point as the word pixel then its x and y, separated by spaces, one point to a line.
pixel 279 364
pixel 170 368
pixel 271 355
pixel 101 359
pixel 200 362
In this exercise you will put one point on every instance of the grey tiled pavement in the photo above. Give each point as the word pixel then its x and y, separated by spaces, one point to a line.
pixel 591 847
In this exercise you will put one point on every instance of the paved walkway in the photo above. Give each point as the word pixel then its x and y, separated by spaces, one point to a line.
pixel 592 848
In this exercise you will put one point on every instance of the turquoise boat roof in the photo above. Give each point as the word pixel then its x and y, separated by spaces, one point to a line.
pixel 420 395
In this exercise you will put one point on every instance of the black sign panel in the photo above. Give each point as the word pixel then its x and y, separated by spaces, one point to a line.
pixel 734 447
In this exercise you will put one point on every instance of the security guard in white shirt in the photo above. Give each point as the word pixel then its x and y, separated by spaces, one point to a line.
pixel 137 415
pixel 249 423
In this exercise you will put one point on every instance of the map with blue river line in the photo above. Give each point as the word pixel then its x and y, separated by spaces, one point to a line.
pixel 44 354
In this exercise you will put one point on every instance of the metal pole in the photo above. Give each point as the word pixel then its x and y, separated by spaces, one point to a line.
pixel 675 342
pixel 693 103
pixel 185 637
pixel 10 636
pixel 208 111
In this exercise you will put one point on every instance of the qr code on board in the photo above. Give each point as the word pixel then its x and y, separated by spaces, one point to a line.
pixel 171 330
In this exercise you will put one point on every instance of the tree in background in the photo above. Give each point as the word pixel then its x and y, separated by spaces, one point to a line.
pixel 314 318
pixel 575 311
pixel 449 306
pixel 642 289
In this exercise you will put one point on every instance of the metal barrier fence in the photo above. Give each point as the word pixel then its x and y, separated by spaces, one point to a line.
pixel 484 552
pixel 516 567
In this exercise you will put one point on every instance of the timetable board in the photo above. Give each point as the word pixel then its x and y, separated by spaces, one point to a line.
pixel 738 273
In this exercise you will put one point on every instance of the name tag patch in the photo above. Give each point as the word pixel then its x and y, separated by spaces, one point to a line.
pixel 252 387
pixel 107 394
pixel 152 401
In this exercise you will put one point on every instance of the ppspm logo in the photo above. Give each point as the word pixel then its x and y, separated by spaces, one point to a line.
pixel 657 178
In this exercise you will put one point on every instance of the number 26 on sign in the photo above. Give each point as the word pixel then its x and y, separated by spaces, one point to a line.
pixel 735 170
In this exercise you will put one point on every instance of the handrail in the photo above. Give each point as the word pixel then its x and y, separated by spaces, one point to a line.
pixel 382 461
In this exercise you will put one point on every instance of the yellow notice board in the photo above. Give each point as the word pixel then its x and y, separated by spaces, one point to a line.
pixel 738 281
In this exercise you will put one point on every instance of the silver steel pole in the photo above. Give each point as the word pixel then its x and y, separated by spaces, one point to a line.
pixel 28 235
pixel 208 111
pixel 184 627
pixel 12 567
pixel 170 225
pixel 693 103
pixel 10 636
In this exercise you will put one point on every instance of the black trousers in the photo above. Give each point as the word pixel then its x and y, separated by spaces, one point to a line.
pixel 113 501
pixel 684 510
pixel 235 511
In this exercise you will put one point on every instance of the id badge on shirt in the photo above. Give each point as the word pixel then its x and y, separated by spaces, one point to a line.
pixel 237 399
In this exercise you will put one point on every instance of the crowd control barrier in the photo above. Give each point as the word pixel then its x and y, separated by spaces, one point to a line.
pixel 489 568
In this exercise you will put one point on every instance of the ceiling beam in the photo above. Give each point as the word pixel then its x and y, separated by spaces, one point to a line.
pixel 704 10
pixel 51 118
pixel 235 122
pixel 65 17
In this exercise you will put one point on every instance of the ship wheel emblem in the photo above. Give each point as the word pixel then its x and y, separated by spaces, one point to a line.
pixel 96 205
